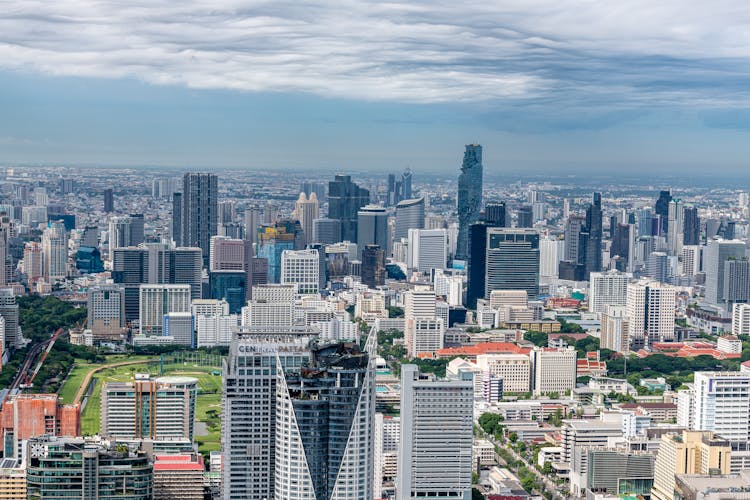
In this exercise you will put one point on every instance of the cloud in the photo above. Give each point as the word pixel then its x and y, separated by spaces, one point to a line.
pixel 580 53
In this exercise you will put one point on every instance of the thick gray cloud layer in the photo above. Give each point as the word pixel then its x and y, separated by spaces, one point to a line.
pixel 634 52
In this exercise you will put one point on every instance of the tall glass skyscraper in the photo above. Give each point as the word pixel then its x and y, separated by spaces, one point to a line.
pixel 512 261
pixel 200 193
pixel 469 196
pixel 345 198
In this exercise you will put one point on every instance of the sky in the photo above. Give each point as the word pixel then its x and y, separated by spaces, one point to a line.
pixel 545 86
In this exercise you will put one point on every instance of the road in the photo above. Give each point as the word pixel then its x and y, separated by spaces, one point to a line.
pixel 31 358
pixel 549 485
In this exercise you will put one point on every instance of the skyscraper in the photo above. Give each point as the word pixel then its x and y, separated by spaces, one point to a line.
pixel 477 263
pixel 372 227
pixel 161 408
pixel 55 252
pixel 469 196
pixel 158 300
pixel 650 307
pixel 495 213
pixel 525 216
pixel 590 240
pixel 373 266
pixel 200 193
pixel 106 312
pixel 428 249
pixel 409 215
pixel 675 231
pixel 662 210
pixel 345 198
pixel 435 449
pixel 252 220
pixel 273 240
pixel 692 227
pixel 573 227
pixel 301 268
pixel 512 260
pixel 177 218
pixel 715 256
pixel 325 425
pixel 249 402
pixel 326 231
pixel 406 178
pixel 109 200
pixel 307 210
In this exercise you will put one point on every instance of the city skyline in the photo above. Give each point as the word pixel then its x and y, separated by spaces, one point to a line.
pixel 297 86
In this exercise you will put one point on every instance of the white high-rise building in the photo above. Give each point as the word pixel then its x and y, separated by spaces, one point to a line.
pixel 162 408
pixel 387 436
pixel 651 312
pixel 514 369
pixel 427 249
pixel 715 256
pixel 450 287
pixel 676 227
pixel 419 305
pixel 550 254
pixel 307 210
pixel 209 307
pixel 692 255
pixel 301 268
pixel 40 197
pixel 554 370
pixel 156 300
pixel 271 306
pixel 607 289
pixel 615 329
pixel 55 252
pixel 435 449
pixel 215 329
pixel 722 404
pixel 119 232
pixel 741 319
pixel 106 312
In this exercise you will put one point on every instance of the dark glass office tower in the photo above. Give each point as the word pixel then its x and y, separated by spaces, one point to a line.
pixel 525 216
pixel 345 198
pixel 177 219
pixel 692 227
pixel 109 200
pixel 373 266
pixel 476 263
pixel 406 178
pixel 662 210
pixel 469 196
pixel 495 213
pixel 323 412
pixel 200 193
pixel 591 238
pixel 512 261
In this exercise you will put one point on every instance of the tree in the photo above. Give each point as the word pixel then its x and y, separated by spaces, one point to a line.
pixel 477 495
pixel 547 469
pixel 536 338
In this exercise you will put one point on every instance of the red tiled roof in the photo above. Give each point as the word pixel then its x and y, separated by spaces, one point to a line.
pixel 484 348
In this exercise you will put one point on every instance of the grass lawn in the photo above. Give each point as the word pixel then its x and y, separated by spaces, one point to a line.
pixel 208 405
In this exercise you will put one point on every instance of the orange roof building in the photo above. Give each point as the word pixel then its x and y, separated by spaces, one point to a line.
pixel 24 416
pixel 470 352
